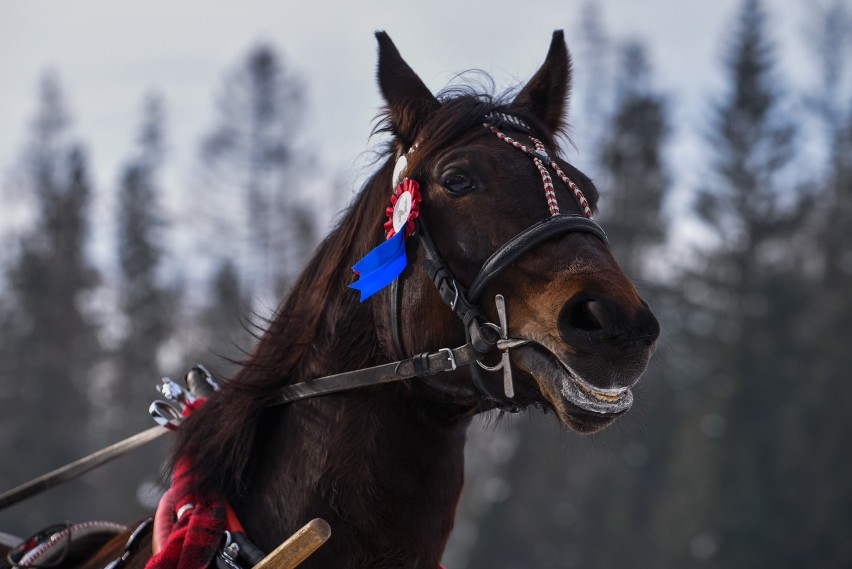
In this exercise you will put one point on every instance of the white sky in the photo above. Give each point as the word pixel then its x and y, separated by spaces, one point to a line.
pixel 109 53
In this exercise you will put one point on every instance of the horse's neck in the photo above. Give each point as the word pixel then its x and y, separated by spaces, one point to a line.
pixel 383 466
pixel 383 473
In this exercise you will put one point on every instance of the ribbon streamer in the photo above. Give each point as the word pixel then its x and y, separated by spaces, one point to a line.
pixel 380 266
pixel 387 260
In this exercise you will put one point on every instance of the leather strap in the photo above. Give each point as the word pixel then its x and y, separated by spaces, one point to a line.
pixel 396 317
pixel 454 295
pixel 537 233
pixel 424 364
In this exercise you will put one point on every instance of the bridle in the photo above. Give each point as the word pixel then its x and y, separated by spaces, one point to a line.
pixel 482 335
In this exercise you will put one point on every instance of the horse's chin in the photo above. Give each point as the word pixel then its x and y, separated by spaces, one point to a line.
pixel 579 405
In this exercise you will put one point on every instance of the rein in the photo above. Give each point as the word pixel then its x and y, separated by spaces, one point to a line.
pixel 168 414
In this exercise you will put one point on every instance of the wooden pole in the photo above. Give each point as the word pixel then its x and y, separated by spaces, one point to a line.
pixel 298 546
pixel 78 467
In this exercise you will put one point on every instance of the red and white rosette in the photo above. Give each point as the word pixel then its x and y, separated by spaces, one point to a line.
pixel 404 208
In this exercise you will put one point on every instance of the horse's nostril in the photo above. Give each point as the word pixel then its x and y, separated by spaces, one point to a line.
pixel 588 316
pixel 583 318
pixel 600 314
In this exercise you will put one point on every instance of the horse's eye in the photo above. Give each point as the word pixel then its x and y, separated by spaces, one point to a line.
pixel 458 184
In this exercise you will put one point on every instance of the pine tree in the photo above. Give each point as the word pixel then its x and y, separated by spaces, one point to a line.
pixel 742 297
pixel 145 302
pixel 251 158
pixel 634 184
pixel 595 50
pixel 635 179
pixel 52 340
pixel 817 428
pixel 146 307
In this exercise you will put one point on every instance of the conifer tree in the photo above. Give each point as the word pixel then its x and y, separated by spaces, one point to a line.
pixel 145 302
pixel 816 430
pixel 146 307
pixel 742 298
pixel 635 179
pixel 52 339
pixel 251 162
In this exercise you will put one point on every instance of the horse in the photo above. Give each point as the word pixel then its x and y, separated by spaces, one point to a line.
pixel 499 255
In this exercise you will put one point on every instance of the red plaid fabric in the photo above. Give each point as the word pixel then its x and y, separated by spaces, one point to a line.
pixel 196 536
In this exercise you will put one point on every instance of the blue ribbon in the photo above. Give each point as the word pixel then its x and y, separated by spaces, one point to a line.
pixel 380 266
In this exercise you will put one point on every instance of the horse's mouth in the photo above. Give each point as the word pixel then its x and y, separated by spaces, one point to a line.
pixel 579 404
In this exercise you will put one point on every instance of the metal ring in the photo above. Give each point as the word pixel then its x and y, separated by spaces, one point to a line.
pixel 451 357
pixel 165 414
pixel 498 367
pixel 494 326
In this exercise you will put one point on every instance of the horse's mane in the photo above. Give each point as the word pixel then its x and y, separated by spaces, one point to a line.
pixel 320 328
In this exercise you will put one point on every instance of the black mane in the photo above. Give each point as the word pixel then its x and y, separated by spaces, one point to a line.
pixel 320 315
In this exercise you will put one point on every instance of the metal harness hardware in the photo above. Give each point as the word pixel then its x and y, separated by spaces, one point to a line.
pixel 61 544
pixel 132 544
pixel 505 344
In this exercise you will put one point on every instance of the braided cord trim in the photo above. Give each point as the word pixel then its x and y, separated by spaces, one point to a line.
pixel 537 154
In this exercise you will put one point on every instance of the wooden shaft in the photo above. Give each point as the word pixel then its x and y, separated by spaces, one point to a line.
pixel 79 467
pixel 298 546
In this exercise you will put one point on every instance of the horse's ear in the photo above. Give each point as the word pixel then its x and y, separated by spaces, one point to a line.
pixel 546 94
pixel 409 101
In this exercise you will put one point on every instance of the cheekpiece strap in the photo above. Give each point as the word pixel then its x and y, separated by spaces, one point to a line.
pixel 454 295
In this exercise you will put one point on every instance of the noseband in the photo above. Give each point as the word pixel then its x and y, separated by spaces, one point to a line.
pixel 480 333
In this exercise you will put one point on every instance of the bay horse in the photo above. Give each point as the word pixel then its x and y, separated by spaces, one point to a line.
pixel 502 218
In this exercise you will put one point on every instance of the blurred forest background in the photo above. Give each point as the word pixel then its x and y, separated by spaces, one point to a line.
pixel 735 454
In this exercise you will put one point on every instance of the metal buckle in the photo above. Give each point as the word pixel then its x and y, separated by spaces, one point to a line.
pixel 450 357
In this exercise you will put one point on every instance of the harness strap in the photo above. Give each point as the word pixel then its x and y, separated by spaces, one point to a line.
pixel 453 294
pixel 396 318
pixel 423 364
pixel 537 233
pixel 482 338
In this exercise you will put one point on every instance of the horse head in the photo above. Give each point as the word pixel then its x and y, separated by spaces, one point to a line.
pixel 508 216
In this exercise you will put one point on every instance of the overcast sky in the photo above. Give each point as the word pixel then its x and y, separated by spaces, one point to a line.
pixel 110 53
